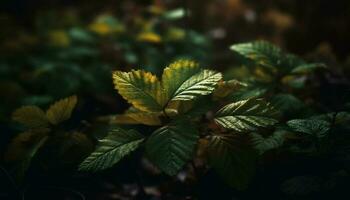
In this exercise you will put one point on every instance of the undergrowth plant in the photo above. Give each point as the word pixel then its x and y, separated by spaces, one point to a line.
pixel 187 105
pixel 195 110
pixel 196 113
pixel 46 130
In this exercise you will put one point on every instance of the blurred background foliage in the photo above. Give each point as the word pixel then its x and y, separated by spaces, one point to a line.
pixel 50 49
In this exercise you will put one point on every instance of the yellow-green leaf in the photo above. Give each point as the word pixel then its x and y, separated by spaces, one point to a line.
pixel 61 110
pixel 31 117
pixel 141 89
pixel 225 88
pixel 183 80
pixel 133 116
pixel 202 83
pixel 176 74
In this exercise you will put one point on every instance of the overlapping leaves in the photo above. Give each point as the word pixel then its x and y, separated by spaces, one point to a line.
pixel 268 55
pixel 35 117
pixel 25 146
pixel 182 80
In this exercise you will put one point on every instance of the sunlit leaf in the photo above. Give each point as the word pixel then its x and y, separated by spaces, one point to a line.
pixel 110 150
pixel 170 147
pixel 246 115
pixel 183 80
pixel 261 52
pixel 176 74
pixel 268 55
pixel 141 89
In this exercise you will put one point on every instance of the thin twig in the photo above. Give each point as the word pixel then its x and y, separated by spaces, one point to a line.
pixel 9 178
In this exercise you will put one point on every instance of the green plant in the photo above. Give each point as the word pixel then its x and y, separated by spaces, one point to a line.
pixel 45 130
pixel 179 105
pixel 196 114
pixel 195 110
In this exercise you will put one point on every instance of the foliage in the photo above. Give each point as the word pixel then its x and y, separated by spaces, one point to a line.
pixel 42 128
pixel 195 113
pixel 172 145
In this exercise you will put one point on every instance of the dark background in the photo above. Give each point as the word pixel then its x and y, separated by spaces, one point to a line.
pixel 318 28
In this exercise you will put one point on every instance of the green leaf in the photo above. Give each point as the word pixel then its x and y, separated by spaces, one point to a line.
pixel 183 80
pixel 170 147
pixel 176 74
pixel 307 68
pixel 268 55
pixel 262 144
pixel 287 103
pixel 314 127
pixel 141 89
pixel 175 14
pixel 232 159
pixel 339 118
pixel 247 115
pixel 248 93
pixel 261 52
pixel 31 117
pixel 61 110
pixel 117 144
pixel 202 83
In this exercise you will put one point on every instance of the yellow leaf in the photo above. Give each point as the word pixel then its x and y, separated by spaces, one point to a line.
pixel 149 37
pixel 106 25
pixel 61 110
pixel 59 38
pixel 180 107
pixel 151 119
pixel 175 34
pixel 31 117
pixel 225 88
pixel 100 28
pixel 141 89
